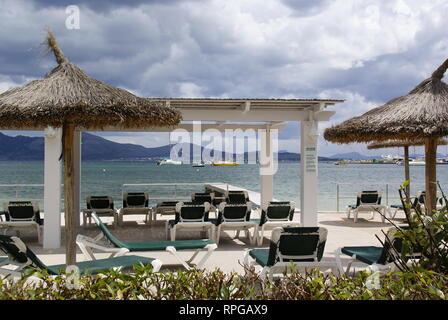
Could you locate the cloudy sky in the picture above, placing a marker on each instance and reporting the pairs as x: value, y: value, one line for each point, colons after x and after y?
x: 363, y: 51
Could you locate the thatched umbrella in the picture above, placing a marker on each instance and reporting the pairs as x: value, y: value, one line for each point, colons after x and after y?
x: 68, y: 98
x: 421, y: 114
x: 405, y: 144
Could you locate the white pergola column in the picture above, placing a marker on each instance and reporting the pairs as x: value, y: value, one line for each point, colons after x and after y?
x: 52, y: 188
x: 77, y: 173
x: 308, y: 169
x: 266, y: 166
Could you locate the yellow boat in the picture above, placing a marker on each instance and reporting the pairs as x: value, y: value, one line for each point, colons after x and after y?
x: 340, y: 163
x: 225, y: 164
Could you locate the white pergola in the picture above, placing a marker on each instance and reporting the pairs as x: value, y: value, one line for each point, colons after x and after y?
x: 219, y: 114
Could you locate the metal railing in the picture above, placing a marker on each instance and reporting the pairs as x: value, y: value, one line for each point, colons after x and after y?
x: 174, y: 191
x: 17, y: 193
x: 389, y: 192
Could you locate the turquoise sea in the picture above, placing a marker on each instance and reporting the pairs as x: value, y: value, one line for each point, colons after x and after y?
x: 107, y: 178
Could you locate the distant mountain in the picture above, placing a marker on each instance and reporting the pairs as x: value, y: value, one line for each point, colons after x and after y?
x: 438, y: 155
x: 353, y: 156
x: 293, y: 157
x: 358, y: 156
x: 93, y: 148
x: 96, y: 148
x: 21, y: 148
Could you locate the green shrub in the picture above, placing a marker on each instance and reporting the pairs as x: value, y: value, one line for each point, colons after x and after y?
x: 196, y: 284
x: 426, y: 236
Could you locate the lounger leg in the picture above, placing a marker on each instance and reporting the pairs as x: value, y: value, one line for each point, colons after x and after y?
x: 246, y: 257
x: 39, y: 234
x: 173, y: 251
x: 337, y: 255
x: 148, y: 217
x: 211, y: 232
x: 261, y: 236
x: 86, y: 251
x: 349, y: 265
x: 166, y: 229
x: 252, y: 238
x: 173, y: 233
x: 264, y: 272
x: 156, y: 265
x: 393, y: 213
x: 218, y: 234
x: 237, y: 234
x: 210, y: 248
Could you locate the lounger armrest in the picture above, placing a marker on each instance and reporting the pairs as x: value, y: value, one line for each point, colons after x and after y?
x: 86, y: 244
x: 211, y: 247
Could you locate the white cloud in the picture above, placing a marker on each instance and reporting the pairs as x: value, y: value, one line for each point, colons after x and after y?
x: 363, y: 51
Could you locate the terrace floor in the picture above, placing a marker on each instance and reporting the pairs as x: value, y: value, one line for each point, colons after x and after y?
x: 229, y: 254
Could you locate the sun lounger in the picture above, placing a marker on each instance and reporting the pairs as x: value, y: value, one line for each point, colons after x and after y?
x: 22, y: 214
x: 275, y: 214
x: 417, y: 202
x: 201, y: 197
x: 298, y: 248
x: 21, y: 257
x: 190, y: 216
x: 165, y: 208
x: 367, y: 201
x: 235, y: 216
x: 379, y: 258
x: 87, y: 243
x: 135, y: 203
x: 102, y: 205
x: 237, y: 196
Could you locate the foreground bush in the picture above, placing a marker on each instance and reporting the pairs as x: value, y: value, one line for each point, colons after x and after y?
x: 196, y: 284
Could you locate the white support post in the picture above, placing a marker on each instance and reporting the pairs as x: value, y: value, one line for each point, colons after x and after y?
x: 77, y: 173
x: 52, y: 188
x: 308, y: 169
x: 266, y: 166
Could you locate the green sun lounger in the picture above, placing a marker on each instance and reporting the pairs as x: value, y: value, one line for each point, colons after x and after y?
x: 21, y: 257
x: 380, y: 258
x: 304, y: 246
x: 275, y: 214
x: 86, y: 245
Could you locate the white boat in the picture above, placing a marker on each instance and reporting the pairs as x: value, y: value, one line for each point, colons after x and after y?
x: 225, y: 164
x: 417, y: 163
x: 168, y: 161
x: 412, y: 163
x: 198, y: 165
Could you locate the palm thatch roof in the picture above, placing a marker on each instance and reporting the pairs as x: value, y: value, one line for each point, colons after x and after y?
x: 68, y: 95
x: 402, y: 143
x: 422, y: 113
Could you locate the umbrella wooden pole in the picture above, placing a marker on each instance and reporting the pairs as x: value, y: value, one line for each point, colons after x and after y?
x: 406, y: 173
x: 430, y: 175
x: 69, y: 196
